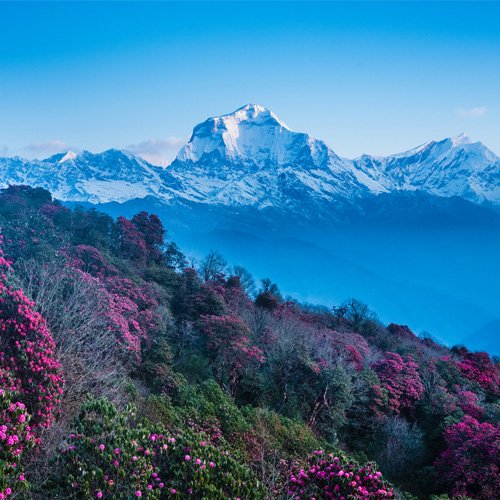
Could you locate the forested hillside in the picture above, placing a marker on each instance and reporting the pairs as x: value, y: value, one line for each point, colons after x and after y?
x: 127, y: 371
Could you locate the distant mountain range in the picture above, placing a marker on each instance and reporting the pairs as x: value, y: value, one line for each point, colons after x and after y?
x: 251, y: 159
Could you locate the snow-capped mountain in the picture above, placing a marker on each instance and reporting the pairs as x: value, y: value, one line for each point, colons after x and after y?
x: 113, y: 175
x: 250, y: 158
x: 451, y: 167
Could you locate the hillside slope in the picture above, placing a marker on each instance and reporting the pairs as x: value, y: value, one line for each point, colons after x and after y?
x: 198, y: 383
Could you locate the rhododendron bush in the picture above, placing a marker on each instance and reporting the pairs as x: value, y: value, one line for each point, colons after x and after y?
x: 400, y: 378
x: 468, y: 402
x: 110, y: 456
x: 30, y: 381
x: 15, y: 439
x: 230, y: 347
x: 27, y: 355
x: 105, y: 457
x: 477, y: 367
x: 470, y: 465
x: 90, y: 260
x: 140, y: 239
x: 131, y: 308
x: 328, y: 476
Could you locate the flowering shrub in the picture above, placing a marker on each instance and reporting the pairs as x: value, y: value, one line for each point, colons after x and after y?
x: 132, y: 312
x: 192, y: 298
x: 400, y: 377
x: 132, y: 244
x: 30, y: 380
x: 478, y: 367
x: 235, y: 295
x: 54, y: 211
x: 27, y: 355
x: 108, y: 456
x: 90, y: 260
x: 142, y: 295
x: 328, y: 477
x: 334, y: 345
x: 200, y: 470
x: 130, y: 309
x: 15, y: 438
x: 230, y: 347
x: 153, y: 233
x: 468, y: 403
x: 355, y: 357
x: 141, y: 238
x: 470, y: 466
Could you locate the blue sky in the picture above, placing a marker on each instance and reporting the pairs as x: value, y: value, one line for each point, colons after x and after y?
x: 365, y: 77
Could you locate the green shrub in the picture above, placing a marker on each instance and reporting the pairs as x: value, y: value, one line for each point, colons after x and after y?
x: 208, y: 401
x: 110, y: 455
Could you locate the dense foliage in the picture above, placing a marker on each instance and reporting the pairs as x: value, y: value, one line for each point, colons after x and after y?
x: 108, y: 455
x: 27, y: 353
x: 186, y: 380
x: 470, y: 465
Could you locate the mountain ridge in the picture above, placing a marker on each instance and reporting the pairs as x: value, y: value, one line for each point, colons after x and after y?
x: 251, y: 158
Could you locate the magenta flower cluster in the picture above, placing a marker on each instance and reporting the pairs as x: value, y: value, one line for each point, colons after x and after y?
x: 15, y: 438
x: 31, y: 383
x: 27, y: 354
x: 470, y: 465
x: 400, y: 377
x: 478, y: 367
x: 329, y: 477
x: 131, y: 309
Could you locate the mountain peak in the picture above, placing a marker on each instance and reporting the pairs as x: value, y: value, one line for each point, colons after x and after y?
x: 461, y: 139
x: 251, y: 108
x: 255, y: 113
x: 443, y: 145
x: 251, y: 133
x: 60, y: 157
x: 70, y: 155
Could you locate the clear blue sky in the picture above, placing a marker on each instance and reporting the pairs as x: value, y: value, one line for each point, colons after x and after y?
x: 365, y: 77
